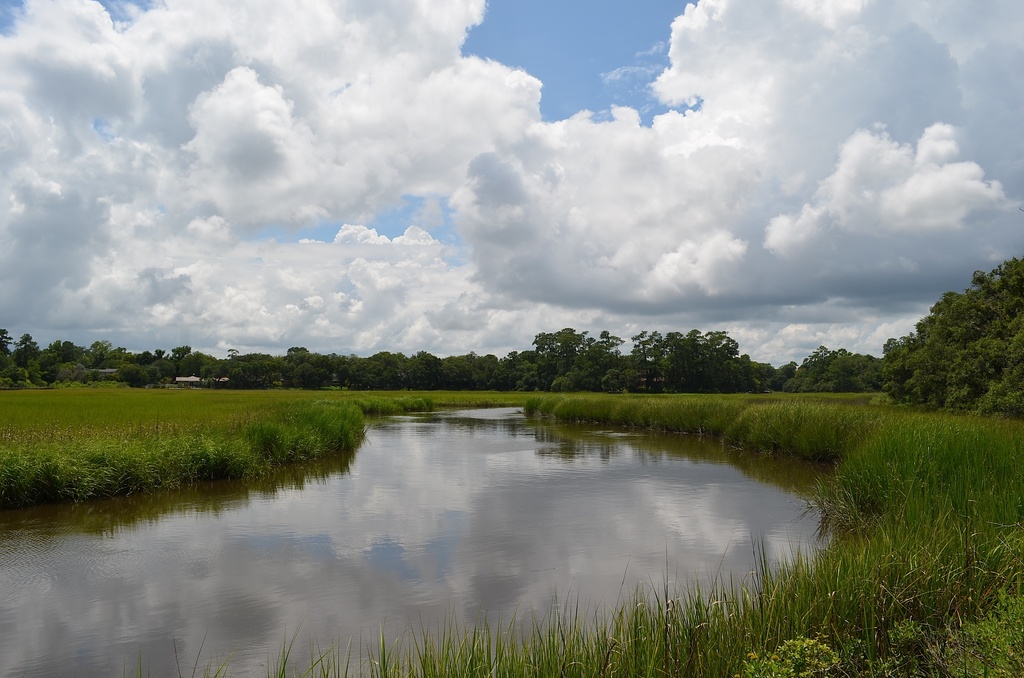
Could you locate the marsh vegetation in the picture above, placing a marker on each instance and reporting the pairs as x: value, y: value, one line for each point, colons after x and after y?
x: 72, y: 445
x: 479, y: 516
x: 922, y: 575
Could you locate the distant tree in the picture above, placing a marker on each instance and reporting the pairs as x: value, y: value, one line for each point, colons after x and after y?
x: 555, y: 355
x: 517, y: 371
x: 71, y: 372
x: 381, y: 371
x: 97, y: 353
x: 838, y: 371
x: 253, y: 370
x: 13, y: 376
x: 647, y: 357
x: 196, y: 364
x: 305, y: 369
x: 25, y: 351
x: 164, y: 369
x: 782, y: 375
x: 65, y: 351
x: 457, y: 373
x: 425, y: 371
x: 595, y: 360
x: 721, y: 373
x: 691, y: 363
x: 341, y: 369
x: 178, y: 353
x: 133, y: 375
x: 5, y: 355
x: 682, y: 364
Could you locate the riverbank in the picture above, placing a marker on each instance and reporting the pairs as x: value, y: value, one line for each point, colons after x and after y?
x: 925, y: 511
x: 75, y: 444
x: 922, y: 575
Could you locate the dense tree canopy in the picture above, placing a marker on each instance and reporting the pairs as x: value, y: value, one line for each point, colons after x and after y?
x: 566, y: 360
x: 968, y: 352
x: 836, y: 371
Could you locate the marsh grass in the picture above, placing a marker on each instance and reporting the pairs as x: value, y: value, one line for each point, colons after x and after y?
x: 74, y: 445
x: 925, y: 511
x: 820, y: 430
x: 60, y: 446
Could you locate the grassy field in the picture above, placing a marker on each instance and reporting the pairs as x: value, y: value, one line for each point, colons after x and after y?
x: 922, y: 577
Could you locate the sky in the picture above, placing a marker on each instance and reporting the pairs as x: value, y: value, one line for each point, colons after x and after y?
x: 356, y: 176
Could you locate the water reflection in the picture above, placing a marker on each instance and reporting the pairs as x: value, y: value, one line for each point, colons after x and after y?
x: 436, y: 516
x: 106, y: 516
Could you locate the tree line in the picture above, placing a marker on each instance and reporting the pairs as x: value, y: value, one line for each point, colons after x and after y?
x: 967, y: 355
x: 566, y: 360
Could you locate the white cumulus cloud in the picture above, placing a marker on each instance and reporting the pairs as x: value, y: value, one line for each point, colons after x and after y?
x: 211, y: 173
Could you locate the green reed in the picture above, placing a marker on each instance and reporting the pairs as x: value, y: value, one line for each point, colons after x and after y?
x: 58, y: 446
x: 924, y: 510
x: 73, y: 445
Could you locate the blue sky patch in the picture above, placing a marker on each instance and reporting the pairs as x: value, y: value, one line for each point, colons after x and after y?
x: 432, y: 214
x: 588, y: 55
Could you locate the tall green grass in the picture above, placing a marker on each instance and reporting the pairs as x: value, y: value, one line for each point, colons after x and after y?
x: 74, y: 445
x: 808, y: 428
x: 925, y: 511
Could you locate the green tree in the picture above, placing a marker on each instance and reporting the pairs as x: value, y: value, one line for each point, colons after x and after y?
x: 5, y: 355
x: 253, y: 370
x: 98, y: 352
x: 26, y: 350
x: 71, y: 372
x: 381, y: 371
x: 13, y: 376
x: 303, y: 368
x: 681, y: 363
x: 647, y: 354
x: 425, y: 371
x: 595, y: 360
x: 720, y: 373
x: 133, y: 375
x: 517, y: 371
x: 556, y: 356
x: 196, y: 363
x: 178, y: 353
x: 968, y: 352
x: 703, y: 363
x: 838, y: 371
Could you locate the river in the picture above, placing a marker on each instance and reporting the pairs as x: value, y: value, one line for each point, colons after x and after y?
x: 437, y: 517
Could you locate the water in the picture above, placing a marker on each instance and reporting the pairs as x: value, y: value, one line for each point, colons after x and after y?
x: 436, y: 517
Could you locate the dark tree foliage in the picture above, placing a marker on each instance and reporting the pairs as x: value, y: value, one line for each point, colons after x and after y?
x: 566, y: 360
x: 836, y: 371
x: 968, y: 352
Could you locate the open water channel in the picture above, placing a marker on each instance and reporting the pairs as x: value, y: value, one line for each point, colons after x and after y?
x: 437, y: 517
